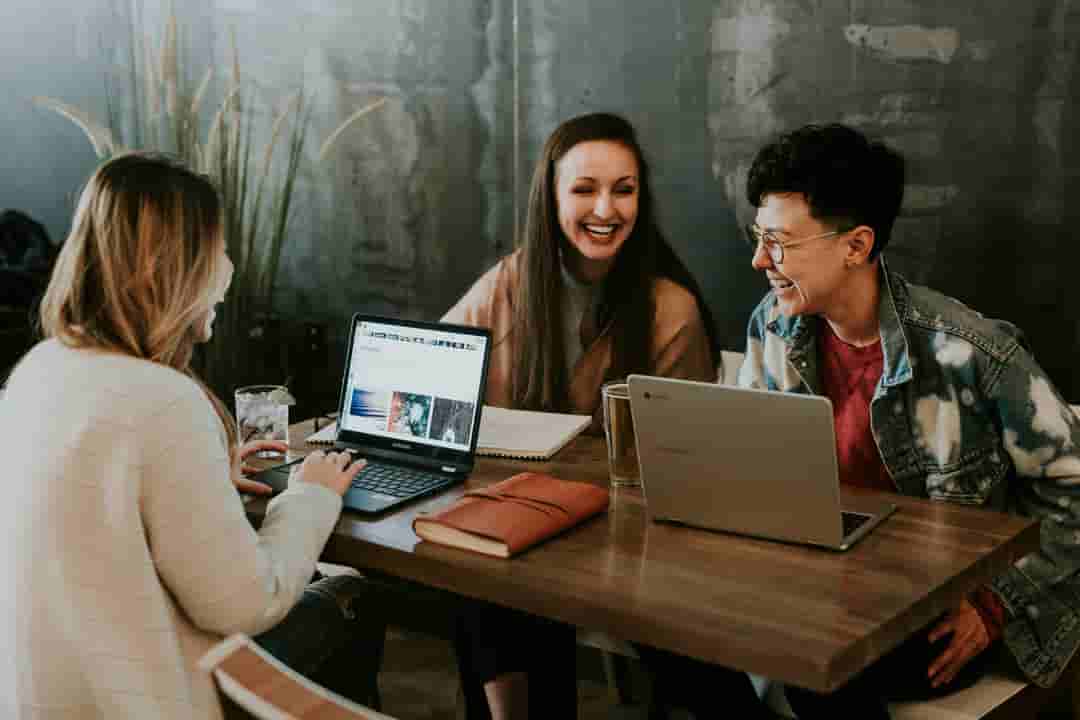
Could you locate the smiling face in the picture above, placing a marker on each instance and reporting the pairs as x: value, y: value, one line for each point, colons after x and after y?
x: 596, y: 188
x: 812, y: 276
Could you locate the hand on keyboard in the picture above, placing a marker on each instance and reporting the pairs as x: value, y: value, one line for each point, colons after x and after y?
x: 333, y: 470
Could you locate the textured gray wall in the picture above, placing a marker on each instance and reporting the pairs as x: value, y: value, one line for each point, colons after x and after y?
x: 980, y: 96
x: 46, y: 49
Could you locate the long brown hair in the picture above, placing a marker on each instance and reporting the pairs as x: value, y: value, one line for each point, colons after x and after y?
x: 626, y: 306
x: 137, y: 272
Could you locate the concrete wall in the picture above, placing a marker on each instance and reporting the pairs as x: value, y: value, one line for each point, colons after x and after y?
x: 980, y: 96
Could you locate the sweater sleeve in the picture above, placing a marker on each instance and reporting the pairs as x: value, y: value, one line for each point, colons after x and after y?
x: 226, y: 577
x: 1041, y: 435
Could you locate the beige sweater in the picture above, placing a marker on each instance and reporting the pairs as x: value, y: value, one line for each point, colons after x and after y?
x: 124, y: 548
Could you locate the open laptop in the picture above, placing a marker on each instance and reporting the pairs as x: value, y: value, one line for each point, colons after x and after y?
x: 410, y: 405
x: 754, y: 462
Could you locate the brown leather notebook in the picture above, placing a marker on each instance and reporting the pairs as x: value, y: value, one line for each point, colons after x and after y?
x: 511, y: 515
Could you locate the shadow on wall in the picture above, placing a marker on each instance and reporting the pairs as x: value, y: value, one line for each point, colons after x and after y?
x: 1007, y: 147
x: 26, y: 259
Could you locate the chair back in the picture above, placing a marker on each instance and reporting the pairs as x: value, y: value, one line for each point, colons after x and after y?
x: 252, y: 683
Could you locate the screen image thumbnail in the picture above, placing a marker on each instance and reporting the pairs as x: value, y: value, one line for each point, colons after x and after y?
x: 451, y: 421
x: 368, y: 410
x: 409, y: 414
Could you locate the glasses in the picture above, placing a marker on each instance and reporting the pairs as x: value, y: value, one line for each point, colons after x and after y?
x: 774, y: 247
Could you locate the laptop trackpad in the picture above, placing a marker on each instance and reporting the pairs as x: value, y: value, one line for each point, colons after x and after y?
x: 368, y: 500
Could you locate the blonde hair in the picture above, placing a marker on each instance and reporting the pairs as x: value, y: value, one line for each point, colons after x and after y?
x: 137, y: 272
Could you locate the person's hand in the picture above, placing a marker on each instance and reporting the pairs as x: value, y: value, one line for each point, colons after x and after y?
x: 969, y: 638
x: 240, y: 468
x: 331, y: 470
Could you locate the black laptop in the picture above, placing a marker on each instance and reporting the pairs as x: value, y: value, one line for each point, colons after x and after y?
x: 410, y: 405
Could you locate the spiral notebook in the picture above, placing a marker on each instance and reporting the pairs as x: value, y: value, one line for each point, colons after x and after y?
x: 520, y: 434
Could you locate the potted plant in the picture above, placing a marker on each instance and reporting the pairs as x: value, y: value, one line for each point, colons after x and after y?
x: 160, y: 109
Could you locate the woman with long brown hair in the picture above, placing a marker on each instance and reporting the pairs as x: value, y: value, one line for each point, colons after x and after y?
x: 127, y: 552
x: 593, y: 294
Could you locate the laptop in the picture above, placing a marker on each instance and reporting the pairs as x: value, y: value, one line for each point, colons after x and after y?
x: 410, y: 405
x: 753, y: 462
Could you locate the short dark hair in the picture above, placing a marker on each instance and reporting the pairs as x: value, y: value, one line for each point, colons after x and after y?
x: 846, y: 178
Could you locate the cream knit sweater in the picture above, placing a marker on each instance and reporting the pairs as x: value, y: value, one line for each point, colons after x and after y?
x: 124, y: 549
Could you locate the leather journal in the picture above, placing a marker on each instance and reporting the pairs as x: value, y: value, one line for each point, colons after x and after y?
x: 514, y: 514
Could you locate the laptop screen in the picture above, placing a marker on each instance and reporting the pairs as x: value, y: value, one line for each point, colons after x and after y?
x: 417, y: 386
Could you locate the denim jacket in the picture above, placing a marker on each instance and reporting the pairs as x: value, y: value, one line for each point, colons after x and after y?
x: 962, y: 413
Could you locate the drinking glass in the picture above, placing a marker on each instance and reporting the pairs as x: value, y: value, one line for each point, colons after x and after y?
x: 262, y: 412
x: 619, y: 432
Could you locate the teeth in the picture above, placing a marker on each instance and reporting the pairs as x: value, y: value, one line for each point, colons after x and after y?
x: 600, y: 229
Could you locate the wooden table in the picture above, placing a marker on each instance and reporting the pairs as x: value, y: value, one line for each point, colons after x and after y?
x: 806, y: 616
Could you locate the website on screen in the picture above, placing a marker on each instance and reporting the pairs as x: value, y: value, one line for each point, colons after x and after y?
x: 414, y: 383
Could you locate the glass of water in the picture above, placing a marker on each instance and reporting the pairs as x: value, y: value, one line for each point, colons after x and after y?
x: 262, y: 412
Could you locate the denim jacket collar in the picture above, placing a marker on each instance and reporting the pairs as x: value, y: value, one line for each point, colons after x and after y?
x: 799, y: 332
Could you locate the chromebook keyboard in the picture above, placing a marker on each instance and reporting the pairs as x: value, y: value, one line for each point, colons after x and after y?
x: 397, y: 480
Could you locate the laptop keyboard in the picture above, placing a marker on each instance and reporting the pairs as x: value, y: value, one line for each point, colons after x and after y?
x: 396, y: 480
x: 852, y: 521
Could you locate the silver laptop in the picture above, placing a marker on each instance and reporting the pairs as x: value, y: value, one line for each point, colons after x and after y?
x: 753, y: 462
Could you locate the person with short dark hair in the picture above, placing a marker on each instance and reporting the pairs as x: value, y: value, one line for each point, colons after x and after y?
x: 930, y: 399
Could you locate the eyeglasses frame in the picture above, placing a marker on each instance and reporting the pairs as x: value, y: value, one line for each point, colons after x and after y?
x: 775, y: 247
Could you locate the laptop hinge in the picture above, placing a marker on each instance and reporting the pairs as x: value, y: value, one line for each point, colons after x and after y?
x: 406, y: 458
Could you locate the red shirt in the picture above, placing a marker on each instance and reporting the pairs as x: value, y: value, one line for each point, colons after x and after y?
x: 849, y: 376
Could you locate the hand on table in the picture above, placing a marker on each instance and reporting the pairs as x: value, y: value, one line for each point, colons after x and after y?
x: 969, y: 638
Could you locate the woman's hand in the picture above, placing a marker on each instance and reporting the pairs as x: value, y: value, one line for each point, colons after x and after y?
x: 331, y: 470
x: 241, y: 469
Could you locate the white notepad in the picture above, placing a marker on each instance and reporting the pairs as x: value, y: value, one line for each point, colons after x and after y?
x: 526, y: 434
x: 326, y: 436
x: 522, y: 434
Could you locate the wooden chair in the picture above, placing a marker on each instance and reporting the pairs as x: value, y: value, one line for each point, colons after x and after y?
x: 253, y: 684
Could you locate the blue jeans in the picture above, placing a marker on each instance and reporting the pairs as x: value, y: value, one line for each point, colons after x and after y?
x: 329, y: 638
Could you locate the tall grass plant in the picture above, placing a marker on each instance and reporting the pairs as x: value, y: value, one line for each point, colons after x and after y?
x: 153, y: 103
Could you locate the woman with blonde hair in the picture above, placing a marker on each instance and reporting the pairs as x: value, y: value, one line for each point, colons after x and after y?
x: 127, y: 552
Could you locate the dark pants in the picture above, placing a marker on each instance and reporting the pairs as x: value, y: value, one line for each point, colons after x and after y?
x: 329, y: 638
x: 491, y: 641
x: 899, y: 675
x: 705, y: 690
